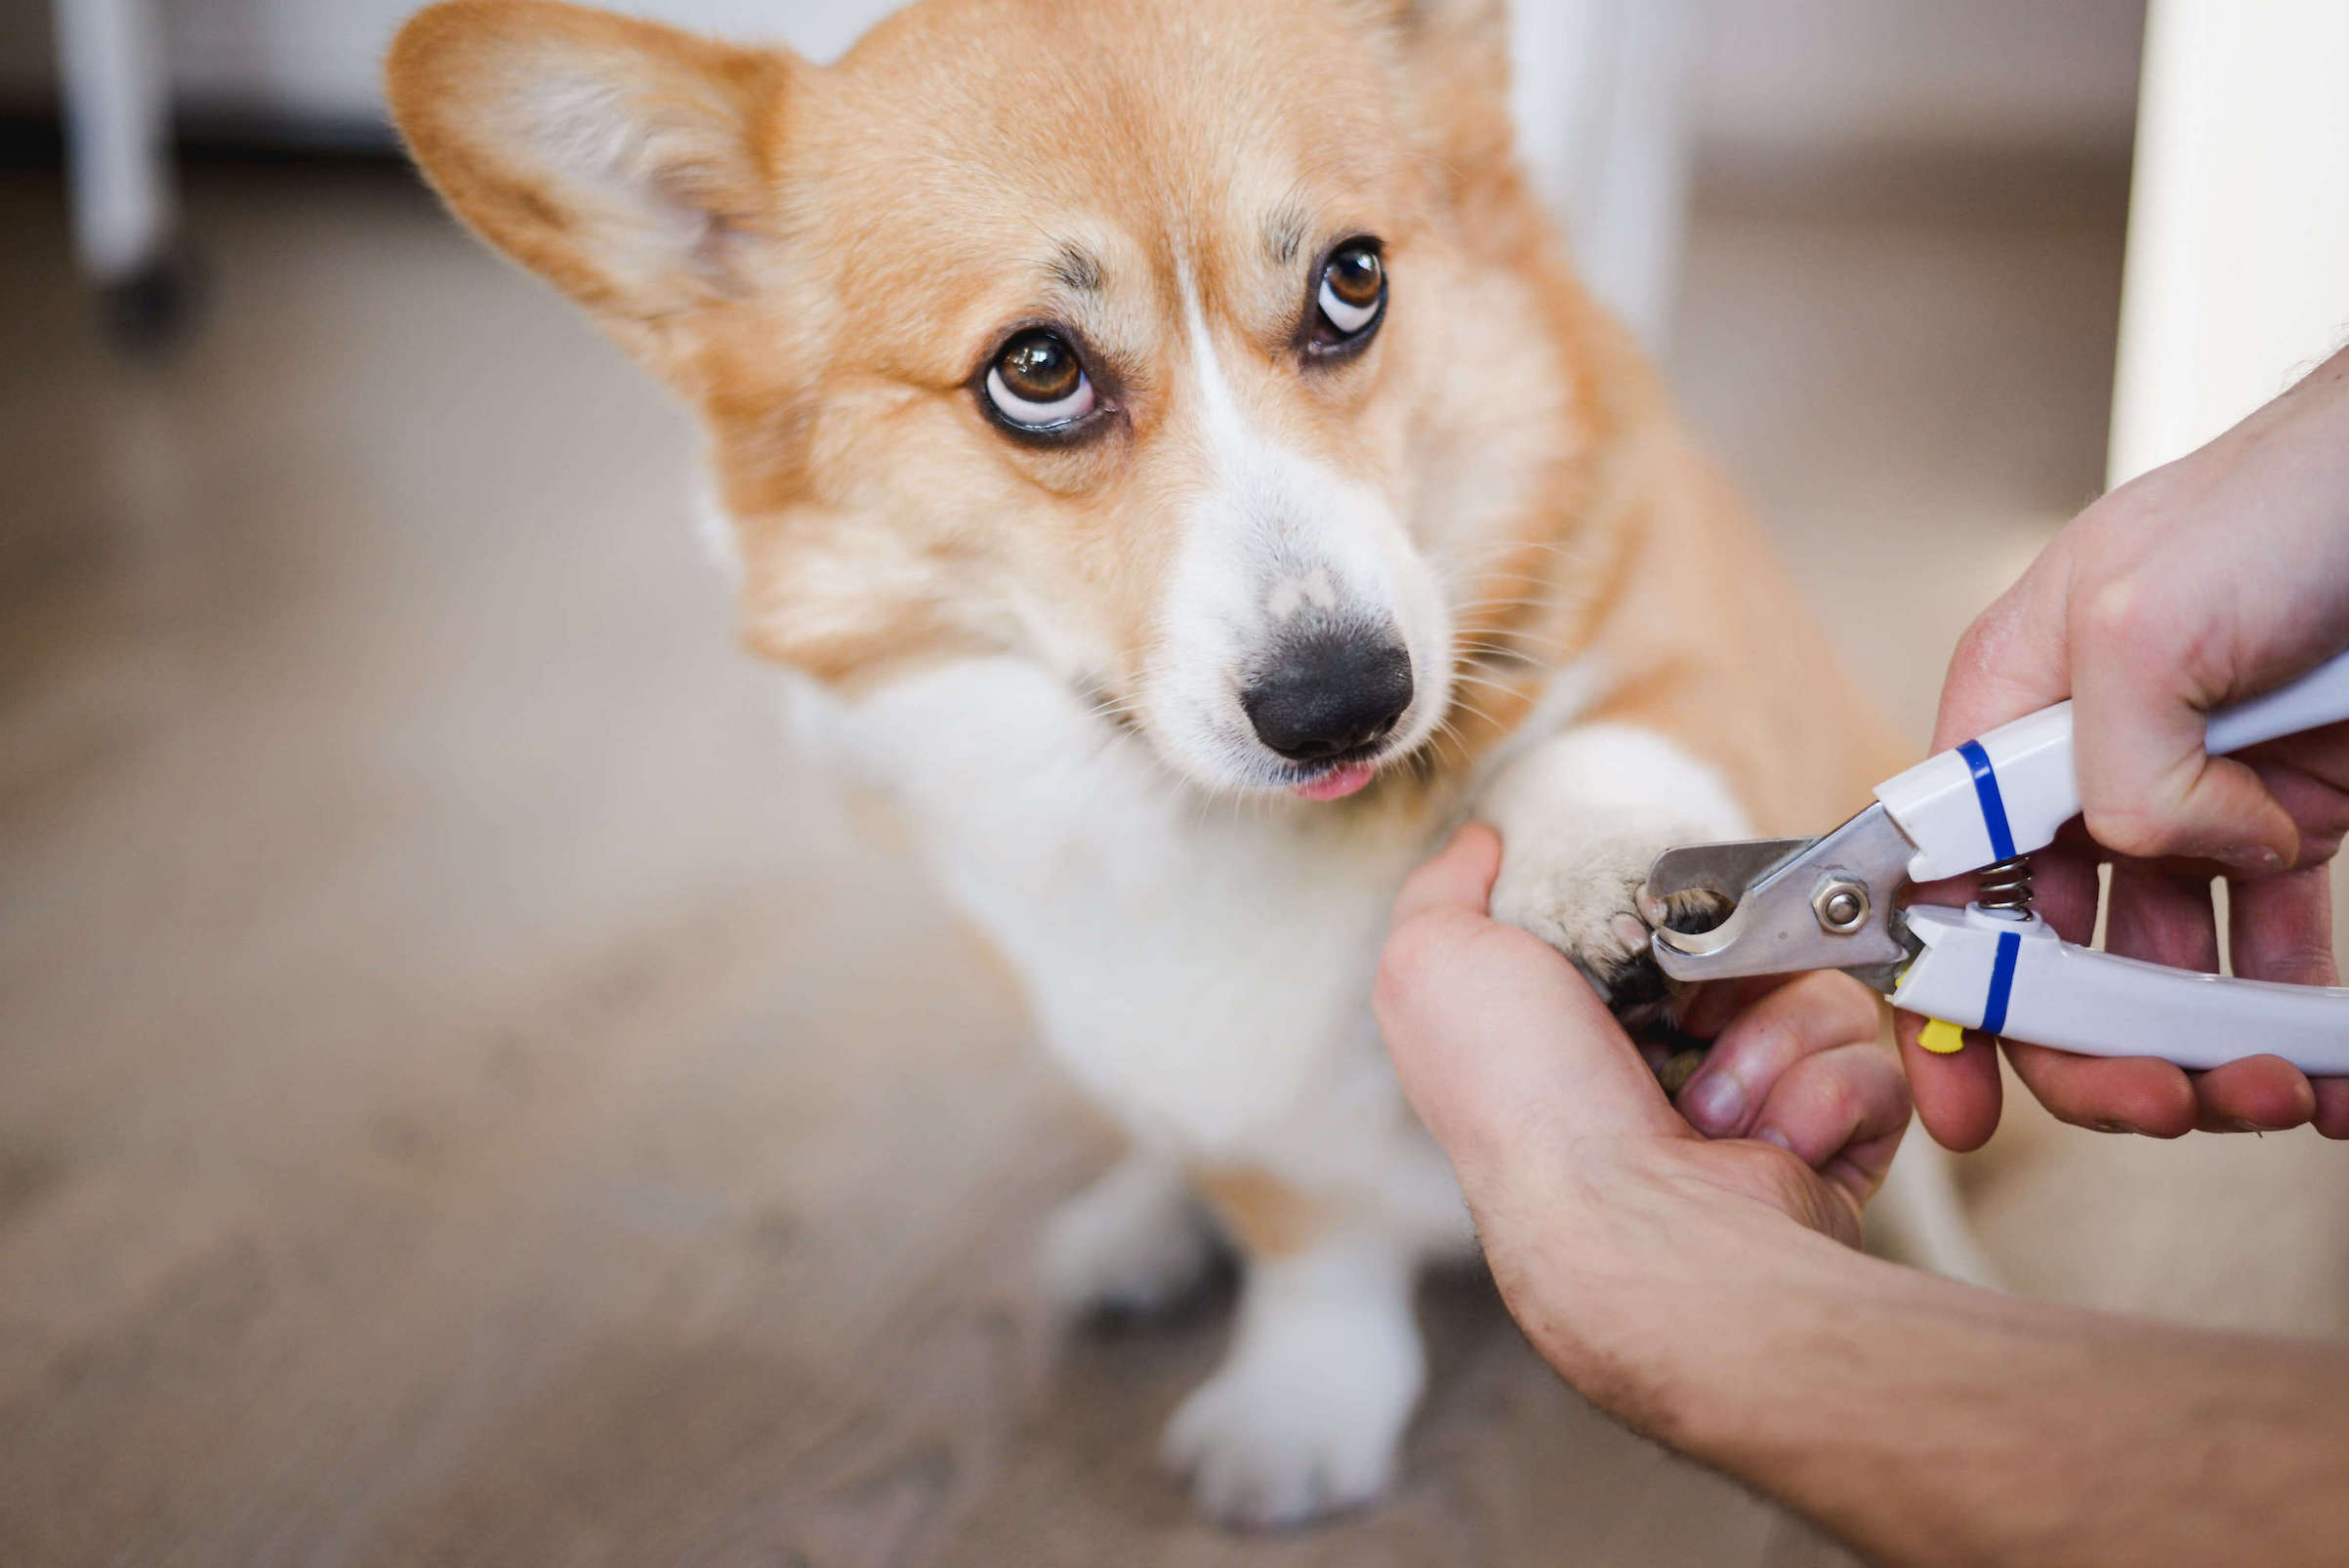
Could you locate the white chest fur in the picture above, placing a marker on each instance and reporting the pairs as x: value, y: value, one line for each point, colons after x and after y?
x: 1202, y: 967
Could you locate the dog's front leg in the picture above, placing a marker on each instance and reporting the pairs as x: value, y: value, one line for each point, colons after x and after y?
x: 1305, y: 1416
x: 1582, y: 817
x: 1133, y: 1241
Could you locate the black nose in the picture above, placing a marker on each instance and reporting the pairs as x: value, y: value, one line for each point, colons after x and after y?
x: 1329, y: 694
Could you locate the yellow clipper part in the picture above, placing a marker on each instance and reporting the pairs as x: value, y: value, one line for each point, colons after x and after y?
x: 1942, y: 1037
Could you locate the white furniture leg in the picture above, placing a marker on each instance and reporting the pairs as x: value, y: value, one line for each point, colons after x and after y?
x: 117, y: 135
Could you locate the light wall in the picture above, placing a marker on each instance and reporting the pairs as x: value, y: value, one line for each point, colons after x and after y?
x: 2239, y: 229
x: 1802, y: 77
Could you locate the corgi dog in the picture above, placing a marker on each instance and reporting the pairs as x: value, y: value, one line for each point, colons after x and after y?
x: 1167, y: 440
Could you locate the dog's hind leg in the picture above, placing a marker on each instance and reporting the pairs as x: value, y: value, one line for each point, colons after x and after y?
x: 1305, y: 1416
x: 1135, y: 1241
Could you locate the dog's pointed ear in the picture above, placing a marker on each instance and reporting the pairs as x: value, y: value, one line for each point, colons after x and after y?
x: 1471, y: 35
x: 632, y: 165
x: 1454, y: 60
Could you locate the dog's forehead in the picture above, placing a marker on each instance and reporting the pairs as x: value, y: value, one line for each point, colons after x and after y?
x: 1090, y: 143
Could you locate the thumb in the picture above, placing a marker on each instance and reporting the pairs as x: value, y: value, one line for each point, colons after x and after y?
x: 2147, y: 803
x: 1460, y: 878
x: 1505, y: 1051
x: 2140, y: 711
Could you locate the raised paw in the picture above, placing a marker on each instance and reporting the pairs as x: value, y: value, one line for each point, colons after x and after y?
x: 1584, y: 896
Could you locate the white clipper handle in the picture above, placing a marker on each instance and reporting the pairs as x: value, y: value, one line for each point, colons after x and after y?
x: 2015, y: 978
x: 2006, y: 794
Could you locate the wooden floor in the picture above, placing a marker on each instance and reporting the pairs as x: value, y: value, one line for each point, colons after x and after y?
x: 467, y: 1096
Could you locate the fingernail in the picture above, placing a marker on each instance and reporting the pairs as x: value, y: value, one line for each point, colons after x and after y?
x: 1715, y: 1102
x: 2251, y: 859
x: 2110, y: 1125
x: 1771, y: 1134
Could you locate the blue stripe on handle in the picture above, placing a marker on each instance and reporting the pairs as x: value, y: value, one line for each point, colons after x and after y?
x: 2002, y: 981
x: 1994, y: 804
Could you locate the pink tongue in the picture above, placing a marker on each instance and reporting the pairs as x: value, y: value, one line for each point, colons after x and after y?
x: 1338, y: 783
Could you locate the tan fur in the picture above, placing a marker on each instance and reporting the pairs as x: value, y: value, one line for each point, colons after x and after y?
x: 879, y: 229
x: 829, y: 252
x: 1266, y: 1217
x: 821, y: 261
x: 844, y: 245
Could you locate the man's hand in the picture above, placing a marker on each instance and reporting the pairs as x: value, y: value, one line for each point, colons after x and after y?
x: 1691, y: 1285
x: 2221, y: 576
x: 1571, y: 1156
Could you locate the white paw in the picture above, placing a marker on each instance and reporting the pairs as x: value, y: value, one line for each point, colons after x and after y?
x: 1303, y: 1421
x: 1582, y: 896
x: 1582, y: 819
x: 1132, y: 1242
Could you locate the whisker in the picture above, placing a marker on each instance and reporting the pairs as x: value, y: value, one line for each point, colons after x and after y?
x: 1506, y: 601
x: 1473, y: 710
x: 1510, y: 547
x: 1467, y: 680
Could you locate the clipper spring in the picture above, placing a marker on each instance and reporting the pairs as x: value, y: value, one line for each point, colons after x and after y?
x: 2005, y: 884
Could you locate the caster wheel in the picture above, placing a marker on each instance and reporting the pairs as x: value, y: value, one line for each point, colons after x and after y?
x: 155, y: 310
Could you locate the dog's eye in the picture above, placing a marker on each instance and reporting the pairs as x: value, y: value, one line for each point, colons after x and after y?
x: 1352, y: 293
x: 1038, y: 383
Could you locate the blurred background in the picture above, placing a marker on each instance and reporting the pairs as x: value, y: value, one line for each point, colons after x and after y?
x: 469, y: 1094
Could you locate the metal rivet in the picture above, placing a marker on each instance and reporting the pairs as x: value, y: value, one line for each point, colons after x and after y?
x: 1841, y: 907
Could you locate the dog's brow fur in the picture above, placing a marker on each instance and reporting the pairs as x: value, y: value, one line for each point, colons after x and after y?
x: 1285, y: 232
x: 1077, y: 268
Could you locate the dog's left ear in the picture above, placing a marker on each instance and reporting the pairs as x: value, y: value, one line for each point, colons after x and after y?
x: 631, y: 165
x: 1454, y: 60
x: 1465, y: 35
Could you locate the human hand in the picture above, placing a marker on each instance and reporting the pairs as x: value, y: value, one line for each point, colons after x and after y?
x: 2221, y: 576
x: 1590, y: 1191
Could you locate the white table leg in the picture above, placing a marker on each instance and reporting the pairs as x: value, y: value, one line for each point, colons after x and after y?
x: 117, y: 132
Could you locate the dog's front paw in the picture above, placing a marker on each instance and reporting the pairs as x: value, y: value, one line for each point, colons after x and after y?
x: 1583, y: 896
x: 1285, y: 1439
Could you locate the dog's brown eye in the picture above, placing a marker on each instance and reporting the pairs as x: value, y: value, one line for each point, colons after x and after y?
x: 1038, y: 383
x: 1356, y: 276
x: 1039, y: 368
x: 1352, y: 293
